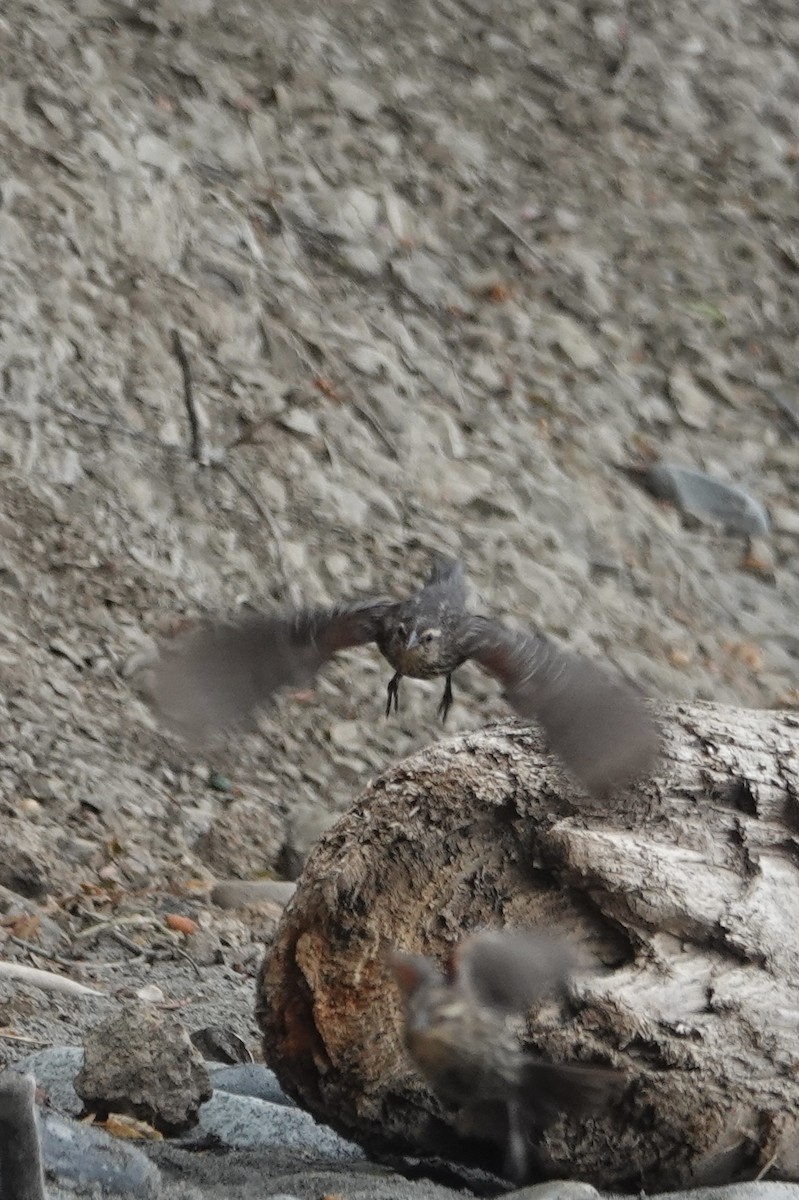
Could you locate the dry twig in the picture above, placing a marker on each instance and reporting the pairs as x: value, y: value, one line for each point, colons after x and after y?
x: 46, y: 980
x: 515, y: 232
x: 41, y: 952
x: 20, y: 1037
x: 266, y: 516
x: 196, y: 448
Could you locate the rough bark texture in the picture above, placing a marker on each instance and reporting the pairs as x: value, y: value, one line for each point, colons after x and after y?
x: 687, y: 891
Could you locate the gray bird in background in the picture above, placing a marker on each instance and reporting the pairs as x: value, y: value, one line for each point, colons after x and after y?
x: 21, y: 1176
x: 461, y: 1037
x: 217, y: 675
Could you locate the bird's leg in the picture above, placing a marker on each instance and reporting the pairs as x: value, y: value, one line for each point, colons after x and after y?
x: 446, y: 700
x: 393, y: 693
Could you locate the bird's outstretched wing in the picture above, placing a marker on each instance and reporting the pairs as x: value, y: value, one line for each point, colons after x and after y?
x: 510, y: 969
x: 219, y: 673
x: 598, y: 725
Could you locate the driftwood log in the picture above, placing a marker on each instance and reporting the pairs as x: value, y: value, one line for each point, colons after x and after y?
x: 686, y: 891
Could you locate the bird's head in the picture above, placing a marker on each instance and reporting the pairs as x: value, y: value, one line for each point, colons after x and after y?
x: 416, y: 647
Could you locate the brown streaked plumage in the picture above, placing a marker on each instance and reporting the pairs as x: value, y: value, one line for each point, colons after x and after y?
x: 460, y: 1036
x: 598, y: 725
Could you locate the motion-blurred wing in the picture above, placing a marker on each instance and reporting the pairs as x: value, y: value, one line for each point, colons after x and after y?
x: 598, y: 725
x: 218, y: 674
x: 549, y: 1089
x: 509, y: 970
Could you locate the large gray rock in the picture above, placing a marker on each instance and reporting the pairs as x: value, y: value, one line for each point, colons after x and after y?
x: 249, y: 1079
x: 54, y: 1070
x: 81, y: 1157
x: 246, y: 1123
x: 556, y: 1189
x: 737, y: 1191
x: 142, y: 1062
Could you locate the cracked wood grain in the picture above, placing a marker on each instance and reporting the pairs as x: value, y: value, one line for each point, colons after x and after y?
x: 686, y: 891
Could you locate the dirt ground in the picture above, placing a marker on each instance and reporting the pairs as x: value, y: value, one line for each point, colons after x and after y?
x: 440, y: 269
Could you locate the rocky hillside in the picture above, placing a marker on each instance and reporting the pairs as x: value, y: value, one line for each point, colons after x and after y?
x: 434, y: 276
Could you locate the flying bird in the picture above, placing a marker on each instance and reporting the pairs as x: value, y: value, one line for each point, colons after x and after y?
x: 218, y: 674
x: 460, y: 1035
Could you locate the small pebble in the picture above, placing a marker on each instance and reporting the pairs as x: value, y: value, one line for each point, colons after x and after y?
x: 693, y: 404
x: 354, y: 99
x: 704, y: 498
x: 220, y: 783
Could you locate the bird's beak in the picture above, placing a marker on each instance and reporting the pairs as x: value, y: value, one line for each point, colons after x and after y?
x: 412, y: 641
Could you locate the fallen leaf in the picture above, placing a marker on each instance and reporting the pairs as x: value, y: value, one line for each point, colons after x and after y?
x: 180, y: 924
x: 497, y: 293
x: 195, y: 886
x: 90, y: 889
x: 749, y: 654
x: 759, y: 560
x: 327, y: 388
x: 704, y: 308
x: 122, y: 1126
x: 25, y: 926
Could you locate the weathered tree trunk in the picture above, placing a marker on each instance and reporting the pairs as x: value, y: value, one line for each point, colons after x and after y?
x: 686, y: 890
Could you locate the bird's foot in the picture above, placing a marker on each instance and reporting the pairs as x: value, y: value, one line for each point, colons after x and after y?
x: 446, y: 700
x: 393, y: 693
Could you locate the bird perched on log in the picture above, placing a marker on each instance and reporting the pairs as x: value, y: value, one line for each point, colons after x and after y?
x: 460, y: 1035
x: 21, y: 1176
x: 218, y: 674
